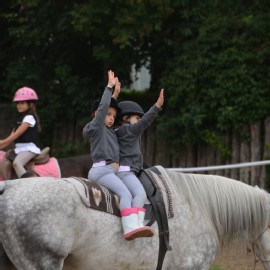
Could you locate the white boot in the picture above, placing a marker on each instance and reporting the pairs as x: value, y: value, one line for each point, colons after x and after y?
x: 141, y: 216
x: 130, y: 225
x: 129, y: 222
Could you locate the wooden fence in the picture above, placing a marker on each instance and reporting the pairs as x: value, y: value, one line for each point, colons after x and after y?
x: 202, y: 155
x: 156, y: 152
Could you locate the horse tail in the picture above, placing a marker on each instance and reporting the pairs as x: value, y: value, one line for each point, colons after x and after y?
x: 2, y: 187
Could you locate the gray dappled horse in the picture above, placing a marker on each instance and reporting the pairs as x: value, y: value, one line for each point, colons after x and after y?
x: 44, y: 225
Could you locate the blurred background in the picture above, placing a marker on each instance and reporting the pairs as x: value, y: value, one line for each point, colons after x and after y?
x: 211, y: 57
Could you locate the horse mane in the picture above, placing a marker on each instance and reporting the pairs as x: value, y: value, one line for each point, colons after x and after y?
x: 234, y: 208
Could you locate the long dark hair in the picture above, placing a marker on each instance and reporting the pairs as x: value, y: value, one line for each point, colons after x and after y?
x: 33, y: 110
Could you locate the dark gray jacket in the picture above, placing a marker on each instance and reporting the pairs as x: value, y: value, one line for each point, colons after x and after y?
x: 103, y: 140
x: 129, y: 140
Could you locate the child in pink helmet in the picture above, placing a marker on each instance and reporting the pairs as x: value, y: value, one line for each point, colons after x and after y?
x: 25, y: 132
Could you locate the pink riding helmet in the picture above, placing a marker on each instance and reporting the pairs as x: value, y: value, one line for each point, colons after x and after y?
x: 25, y: 93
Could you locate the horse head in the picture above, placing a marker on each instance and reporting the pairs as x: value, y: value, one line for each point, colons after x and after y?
x: 261, y: 249
x: 261, y: 245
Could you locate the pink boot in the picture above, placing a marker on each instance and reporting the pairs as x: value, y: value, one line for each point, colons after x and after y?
x: 130, y: 225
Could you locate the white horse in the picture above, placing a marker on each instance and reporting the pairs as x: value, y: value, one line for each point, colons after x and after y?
x: 44, y: 225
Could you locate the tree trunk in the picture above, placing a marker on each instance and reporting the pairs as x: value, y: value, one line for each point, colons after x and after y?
x: 255, y: 153
x: 235, y: 155
x: 245, y: 157
x: 266, y: 154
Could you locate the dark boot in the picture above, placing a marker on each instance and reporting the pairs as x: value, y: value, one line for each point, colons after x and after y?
x: 29, y: 174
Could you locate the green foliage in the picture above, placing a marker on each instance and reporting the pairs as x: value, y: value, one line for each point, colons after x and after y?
x: 216, y: 74
x: 62, y: 149
x: 212, y: 58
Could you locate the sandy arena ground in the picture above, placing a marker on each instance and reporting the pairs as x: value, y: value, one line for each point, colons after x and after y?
x: 237, y: 258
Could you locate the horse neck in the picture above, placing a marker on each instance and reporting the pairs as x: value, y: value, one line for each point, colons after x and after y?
x: 232, y: 207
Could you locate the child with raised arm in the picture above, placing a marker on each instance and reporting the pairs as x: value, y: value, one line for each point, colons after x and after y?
x: 134, y: 122
x: 105, y: 156
x: 25, y: 132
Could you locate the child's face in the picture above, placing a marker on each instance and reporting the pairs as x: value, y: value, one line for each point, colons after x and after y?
x: 22, y: 106
x: 110, y: 117
x: 133, y: 119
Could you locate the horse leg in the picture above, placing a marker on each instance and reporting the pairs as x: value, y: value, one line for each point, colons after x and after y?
x: 36, y: 258
x: 40, y: 235
x: 38, y: 243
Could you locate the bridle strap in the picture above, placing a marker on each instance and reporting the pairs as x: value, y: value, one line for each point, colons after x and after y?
x: 255, y: 260
x: 253, y: 249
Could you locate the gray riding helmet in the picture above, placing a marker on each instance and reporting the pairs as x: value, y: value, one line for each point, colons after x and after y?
x: 130, y: 108
x: 113, y: 104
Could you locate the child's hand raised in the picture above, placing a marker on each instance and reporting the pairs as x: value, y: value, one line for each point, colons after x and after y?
x: 117, y: 90
x: 160, y: 100
x: 111, y: 79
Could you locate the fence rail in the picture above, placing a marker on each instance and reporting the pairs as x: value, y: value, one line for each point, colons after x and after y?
x: 222, y: 167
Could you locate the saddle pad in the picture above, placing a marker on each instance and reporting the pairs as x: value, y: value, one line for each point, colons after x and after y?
x: 50, y: 168
x: 95, y: 196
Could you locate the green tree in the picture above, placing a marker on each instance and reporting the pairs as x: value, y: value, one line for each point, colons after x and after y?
x: 216, y: 71
x: 212, y: 58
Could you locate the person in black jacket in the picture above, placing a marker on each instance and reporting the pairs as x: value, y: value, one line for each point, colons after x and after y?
x: 25, y: 132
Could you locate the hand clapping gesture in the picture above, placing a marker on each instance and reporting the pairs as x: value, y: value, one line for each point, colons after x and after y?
x: 112, y: 80
x: 117, y: 90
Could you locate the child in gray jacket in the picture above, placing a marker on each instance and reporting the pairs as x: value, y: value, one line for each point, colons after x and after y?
x: 133, y: 122
x: 105, y: 156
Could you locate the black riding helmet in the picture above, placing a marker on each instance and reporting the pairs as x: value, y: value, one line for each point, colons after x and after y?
x: 130, y: 108
x: 113, y: 104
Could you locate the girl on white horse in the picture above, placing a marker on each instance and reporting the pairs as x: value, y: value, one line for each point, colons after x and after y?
x: 133, y: 121
x: 105, y: 156
x: 25, y: 132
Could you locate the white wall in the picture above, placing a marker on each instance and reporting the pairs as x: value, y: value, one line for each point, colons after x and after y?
x: 141, y: 79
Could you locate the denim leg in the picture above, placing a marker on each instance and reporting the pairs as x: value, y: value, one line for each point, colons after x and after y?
x: 105, y: 175
x: 135, y: 187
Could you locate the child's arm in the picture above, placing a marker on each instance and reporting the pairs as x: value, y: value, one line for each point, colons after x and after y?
x: 14, y: 135
x: 149, y: 116
x: 102, y: 109
x: 106, y: 98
